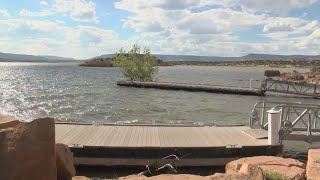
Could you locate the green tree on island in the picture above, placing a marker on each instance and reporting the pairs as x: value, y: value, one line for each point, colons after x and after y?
x: 135, y: 65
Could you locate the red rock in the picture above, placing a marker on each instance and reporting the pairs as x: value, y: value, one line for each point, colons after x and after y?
x: 231, y: 176
x: 245, y: 172
x: 252, y: 171
x: 80, y: 178
x: 167, y: 176
x: 313, y: 164
x: 8, y: 121
x: 27, y: 151
x: 64, y: 161
x: 289, y: 168
x: 216, y: 176
x: 133, y: 177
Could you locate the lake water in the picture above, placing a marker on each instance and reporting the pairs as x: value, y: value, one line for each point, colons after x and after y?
x: 69, y: 92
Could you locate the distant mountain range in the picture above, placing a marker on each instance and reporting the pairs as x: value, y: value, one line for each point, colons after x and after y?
x: 248, y: 57
x: 8, y: 57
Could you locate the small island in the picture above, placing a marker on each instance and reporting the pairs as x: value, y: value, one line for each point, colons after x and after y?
x: 99, y: 62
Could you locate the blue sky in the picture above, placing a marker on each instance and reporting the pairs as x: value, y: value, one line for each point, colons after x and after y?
x: 87, y: 28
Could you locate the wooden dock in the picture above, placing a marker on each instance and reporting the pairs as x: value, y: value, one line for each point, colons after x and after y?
x: 193, y: 87
x: 121, y: 145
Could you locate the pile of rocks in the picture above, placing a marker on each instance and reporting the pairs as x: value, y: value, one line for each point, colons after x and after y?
x: 313, y: 78
x: 292, y: 76
x: 255, y: 168
x: 28, y: 151
x: 309, y: 77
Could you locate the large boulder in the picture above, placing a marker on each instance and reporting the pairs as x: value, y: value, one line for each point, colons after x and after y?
x: 64, y: 160
x: 166, y: 176
x: 231, y: 176
x: 271, y: 166
x: 8, y: 121
x: 313, y: 164
x: 246, y: 172
x: 80, y: 178
x: 27, y: 151
x: 272, y: 73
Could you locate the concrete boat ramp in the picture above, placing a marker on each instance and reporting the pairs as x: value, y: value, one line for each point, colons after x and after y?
x: 139, y: 145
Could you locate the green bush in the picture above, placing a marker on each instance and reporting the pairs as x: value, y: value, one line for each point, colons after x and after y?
x: 270, y: 175
x: 137, y: 66
x: 315, y: 69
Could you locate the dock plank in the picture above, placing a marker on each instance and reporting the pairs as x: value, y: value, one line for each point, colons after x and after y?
x: 63, y: 132
x: 86, y: 136
x: 133, y: 138
x: 112, y: 145
x: 156, y: 141
x: 127, y: 137
x: 154, y: 136
x: 113, y: 135
x: 121, y: 138
x: 68, y: 139
x: 95, y: 136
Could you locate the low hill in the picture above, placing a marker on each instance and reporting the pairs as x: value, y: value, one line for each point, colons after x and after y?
x: 248, y: 57
x: 279, y: 57
x: 9, y: 57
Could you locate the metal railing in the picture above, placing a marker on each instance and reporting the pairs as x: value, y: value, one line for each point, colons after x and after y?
x: 291, y: 87
x: 293, y: 117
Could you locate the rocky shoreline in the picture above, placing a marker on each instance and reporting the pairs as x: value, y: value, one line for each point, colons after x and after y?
x: 308, y: 77
x: 28, y: 151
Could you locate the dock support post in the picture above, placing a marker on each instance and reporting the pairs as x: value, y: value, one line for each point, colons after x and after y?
x: 251, y: 83
x: 273, y: 127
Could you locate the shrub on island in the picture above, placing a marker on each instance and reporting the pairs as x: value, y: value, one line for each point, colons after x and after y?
x: 136, y: 65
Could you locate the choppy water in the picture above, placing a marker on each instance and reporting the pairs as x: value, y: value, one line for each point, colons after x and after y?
x: 68, y: 92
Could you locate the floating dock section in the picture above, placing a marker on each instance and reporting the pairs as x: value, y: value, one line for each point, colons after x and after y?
x: 133, y: 145
x: 193, y: 87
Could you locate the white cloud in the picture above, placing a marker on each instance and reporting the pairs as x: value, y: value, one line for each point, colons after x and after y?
x: 34, y: 25
x: 25, y: 13
x: 278, y: 6
x: 157, y: 16
x: 288, y: 28
x: 4, y: 13
x: 44, y: 3
x: 177, y: 4
x: 219, y: 21
x: 79, y: 10
x: 56, y: 38
x: 311, y: 42
x: 282, y: 25
x: 193, y: 27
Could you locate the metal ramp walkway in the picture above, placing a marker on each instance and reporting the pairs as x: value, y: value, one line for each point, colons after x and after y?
x: 298, y: 121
